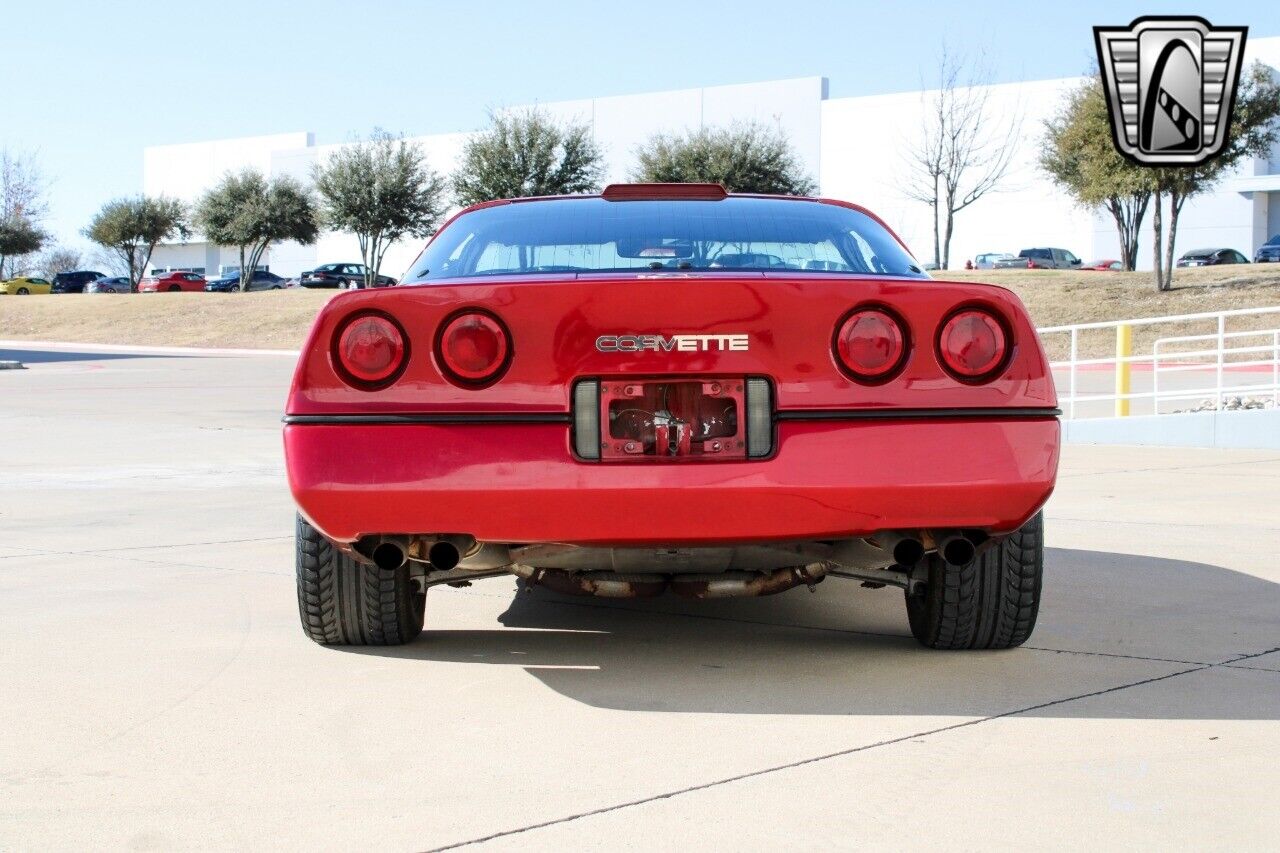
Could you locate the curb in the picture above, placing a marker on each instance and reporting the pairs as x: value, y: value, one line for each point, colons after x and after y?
x: 88, y: 347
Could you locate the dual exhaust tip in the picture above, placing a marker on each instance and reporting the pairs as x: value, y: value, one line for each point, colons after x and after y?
x: 392, y: 552
x: 956, y: 549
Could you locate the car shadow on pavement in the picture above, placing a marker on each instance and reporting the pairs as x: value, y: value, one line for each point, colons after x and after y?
x: 35, y: 356
x: 1108, y: 621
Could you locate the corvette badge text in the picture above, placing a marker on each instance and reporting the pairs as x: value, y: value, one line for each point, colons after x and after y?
x: 672, y: 343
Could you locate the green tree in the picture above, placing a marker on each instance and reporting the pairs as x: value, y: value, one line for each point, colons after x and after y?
x: 380, y: 190
x: 746, y: 157
x: 527, y: 154
x: 249, y: 212
x: 1078, y: 155
x: 1252, y: 133
x: 18, y: 237
x: 130, y: 228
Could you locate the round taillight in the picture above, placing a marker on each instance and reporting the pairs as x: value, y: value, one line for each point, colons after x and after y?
x: 871, y: 344
x: 474, y: 348
x: 973, y: 344
x: 370, y: 350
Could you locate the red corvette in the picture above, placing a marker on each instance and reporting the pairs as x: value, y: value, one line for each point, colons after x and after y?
x: 667, y: 388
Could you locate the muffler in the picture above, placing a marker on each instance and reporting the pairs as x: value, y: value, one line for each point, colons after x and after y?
x: 601, y: 584
x: 746, y: 584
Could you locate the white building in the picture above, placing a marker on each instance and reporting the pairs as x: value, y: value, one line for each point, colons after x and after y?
x: 853, y: 147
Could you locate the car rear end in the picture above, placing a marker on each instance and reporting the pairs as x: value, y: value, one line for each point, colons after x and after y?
x: 675, y: 417
x: 771, y: 435
x: 322, y: 278
x: 669, y: 407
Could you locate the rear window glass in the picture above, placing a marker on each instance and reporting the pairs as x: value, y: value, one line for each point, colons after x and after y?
x: 590, y: 235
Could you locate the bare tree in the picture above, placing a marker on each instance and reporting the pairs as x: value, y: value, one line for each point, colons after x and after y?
x: 22, y: 209
x: 58, y: 259
x: 964, y: 149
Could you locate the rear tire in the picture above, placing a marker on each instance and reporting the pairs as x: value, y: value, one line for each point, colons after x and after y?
x: 343, y: 602
x: 22, y: 291
x: 991, y: 603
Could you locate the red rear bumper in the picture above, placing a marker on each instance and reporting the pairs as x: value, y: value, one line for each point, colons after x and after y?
x: 521, y: 483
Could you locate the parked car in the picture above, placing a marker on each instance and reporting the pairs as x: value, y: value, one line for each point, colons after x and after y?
x: 74, y: 282
x: 1268, y: 252
x: 115, y: 284
x: 1039, y: 259
x: 25, y: 285
x: 189, y: 282
x: 341, y: 275
x: 1104, y: 265
x: 987, y: 260
x: 812, y: 436
x: 1211, y: 257
x: 262, y: 280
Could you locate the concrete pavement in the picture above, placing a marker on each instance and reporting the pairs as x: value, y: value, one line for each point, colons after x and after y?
x: 159, y: 693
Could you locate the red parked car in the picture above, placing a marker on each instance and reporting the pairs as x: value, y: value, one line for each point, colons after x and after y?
x: 190, y: 282
x: 666, y: 388
x: 1104, y: 265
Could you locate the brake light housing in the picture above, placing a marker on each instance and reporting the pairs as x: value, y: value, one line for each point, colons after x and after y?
x: 473, y: 348
x: 369, y: 350
x: 974, y: 344
x: 871, y: 344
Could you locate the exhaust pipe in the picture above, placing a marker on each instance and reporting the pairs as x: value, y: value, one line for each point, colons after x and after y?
x: 906, y: 550
x: 390, y: 552
x: 957, y: 550
x: 443, y: 555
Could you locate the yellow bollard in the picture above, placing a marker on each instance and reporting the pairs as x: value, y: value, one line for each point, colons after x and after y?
x: 1124, y: 347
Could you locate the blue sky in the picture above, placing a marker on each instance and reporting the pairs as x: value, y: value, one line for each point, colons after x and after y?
x: 85, y: 86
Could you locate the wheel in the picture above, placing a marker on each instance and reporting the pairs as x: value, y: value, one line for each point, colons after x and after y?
x: 22, y: 291
x: 343, y: 602
x: 108, y: 290
x: 173, y: 288
x: 989, y: 604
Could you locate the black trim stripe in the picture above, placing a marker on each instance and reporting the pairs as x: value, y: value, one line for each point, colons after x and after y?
x: 447, y: 418
x: 994, y: 413
x: 457, y: 418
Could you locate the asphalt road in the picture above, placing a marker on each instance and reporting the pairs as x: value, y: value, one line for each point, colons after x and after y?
x: 158, y: 693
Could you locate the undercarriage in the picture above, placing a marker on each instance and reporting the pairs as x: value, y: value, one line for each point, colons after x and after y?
x: 897, y: 559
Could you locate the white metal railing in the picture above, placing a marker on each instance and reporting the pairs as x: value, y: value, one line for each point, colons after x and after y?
x: 1177, y: 365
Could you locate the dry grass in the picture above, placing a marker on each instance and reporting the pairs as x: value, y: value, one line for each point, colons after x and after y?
x: 275, y: 319
x: 1061, y: 297
x: 280, y: 319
